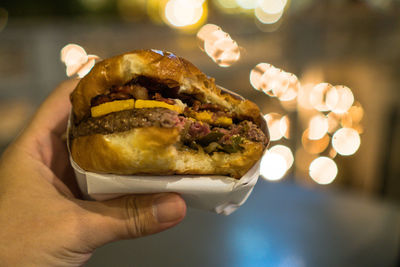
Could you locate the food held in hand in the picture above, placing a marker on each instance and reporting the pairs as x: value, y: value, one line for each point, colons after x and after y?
x: 152, y: 112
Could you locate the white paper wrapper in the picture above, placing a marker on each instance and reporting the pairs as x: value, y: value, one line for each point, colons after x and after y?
x: 220, y: 194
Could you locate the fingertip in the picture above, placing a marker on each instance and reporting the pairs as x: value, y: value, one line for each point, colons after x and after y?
x: 169, y: 208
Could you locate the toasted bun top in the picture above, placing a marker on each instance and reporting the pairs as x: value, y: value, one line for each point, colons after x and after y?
x: 163, y: 66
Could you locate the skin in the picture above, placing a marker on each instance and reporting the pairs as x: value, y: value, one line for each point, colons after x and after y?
x: 43, y: 222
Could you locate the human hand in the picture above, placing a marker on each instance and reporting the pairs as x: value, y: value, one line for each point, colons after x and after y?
x: 42, y: 222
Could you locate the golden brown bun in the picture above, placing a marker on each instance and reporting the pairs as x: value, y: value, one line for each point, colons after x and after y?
x: 164, y: 66
x: 153, y: 150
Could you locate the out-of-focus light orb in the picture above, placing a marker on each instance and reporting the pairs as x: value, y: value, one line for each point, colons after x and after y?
x: 356, y: 112
x: 274, y: 125
x: 3, y: 18
x: 76, y: 60
x: 73, y: 54
x: 247, y: 4
x: 218, y: 45
x: 293, y: 87
x: 274, y: 81
x: 284, y: 124
x: 314, y: 146
x: 206, y: 32
x: 229, y: 4
x: 346, y: 141
x: 269, y: 11
x: 318, y: 127
x: 227, y: 52
x: 272, y: 6
x: 339, y: 99
x: 318, y: 96
x: 323, y: 170
x: 285, y: 152
x: 265, y: 17
x: 255, y: 76
x: 181, y: 13
x: 303, y: 96
x: 333, y: 122
x: 273, y: 166
x: 332, y: 153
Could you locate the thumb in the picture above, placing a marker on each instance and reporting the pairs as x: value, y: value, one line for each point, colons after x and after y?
x: 131, y: 216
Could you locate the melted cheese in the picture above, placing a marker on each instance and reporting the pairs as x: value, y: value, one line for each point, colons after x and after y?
x: 156, y: 104
x: 207, y: 116
x: 113, y: 106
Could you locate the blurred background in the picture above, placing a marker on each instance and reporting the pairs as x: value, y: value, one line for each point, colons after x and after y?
x: 335, y: 125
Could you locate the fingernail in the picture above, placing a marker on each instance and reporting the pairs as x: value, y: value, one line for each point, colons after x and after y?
x: 168, y: 208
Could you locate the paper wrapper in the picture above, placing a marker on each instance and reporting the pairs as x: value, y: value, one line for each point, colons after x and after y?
x: 220, y: 194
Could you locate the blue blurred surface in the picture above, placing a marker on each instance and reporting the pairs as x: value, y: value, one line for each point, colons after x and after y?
x: 282, y: 224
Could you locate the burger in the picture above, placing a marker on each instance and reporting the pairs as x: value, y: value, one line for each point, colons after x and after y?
x: 151, y: 112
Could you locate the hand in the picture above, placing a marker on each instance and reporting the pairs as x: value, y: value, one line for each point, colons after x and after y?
x: 42, y: 222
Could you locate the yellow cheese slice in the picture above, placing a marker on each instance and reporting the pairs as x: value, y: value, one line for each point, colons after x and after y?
x: 113, y: 106
x: 156, y: 104
x: 207, y: 117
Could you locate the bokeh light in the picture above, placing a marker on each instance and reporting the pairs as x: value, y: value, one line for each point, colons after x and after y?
x: 274, y: 125
x: 269, y: 11
x: 247, y: 4
x: 318, y: 96
x: 76, y: 60
x: 318, y: 127
x: 274, y: 81
x: 339, y: 99
x: 323, y: 170
x: 285, y: 126
x: 285, y: 152
x: 314, y: 146
x: 346, y: 141
x: 218, y: 45
x: 333, y: 122
x: 273, y: 166
x: 181, y: 13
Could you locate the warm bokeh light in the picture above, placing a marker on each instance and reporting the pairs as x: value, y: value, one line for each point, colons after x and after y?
x: 356, y: 112
x: 339, y: 99
x: 285, y: 126
x: 274, y: 125
x: 285, y: 152
x: 76, y: 60
x: 181, y: 13
x: 247, y: 4
x: 206, y: 32
x: 323, y: 170
x: 333, y: 122
x: 227, y: 4
x: 273, y: 166
x: 274, y: 81
x: 303, y: 96
x: 218, y: 45
x: 269, y: 11
x: 346, y: 141
x: 255, y: 76
x: 314, y: 146
x: 318, y: 127
x: 318, y: 96
x: 332, y: 153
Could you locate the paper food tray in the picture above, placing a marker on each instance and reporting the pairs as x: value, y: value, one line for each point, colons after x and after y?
x: 220, y: 194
